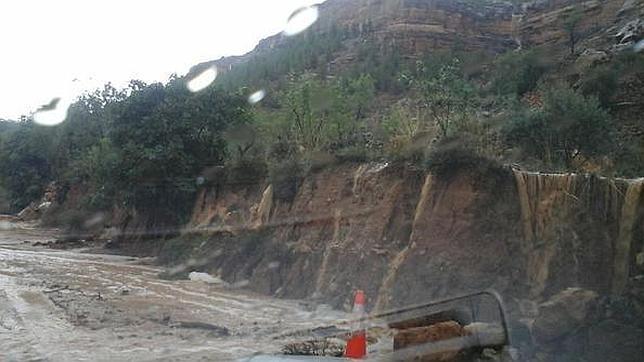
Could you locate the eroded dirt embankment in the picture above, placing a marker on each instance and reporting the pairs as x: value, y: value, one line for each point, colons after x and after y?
x: 407, y: 237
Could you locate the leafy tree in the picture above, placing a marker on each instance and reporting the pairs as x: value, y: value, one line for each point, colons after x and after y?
x: 24, y: 156
x: 516, y: 73
x: 445, y: 94
x: 569, y: 128
x: 166, y: 136
x: 403, y: 122
x: 308, y: 105
x: 408, y: 130
x: 318, y: 114
x: 358, y: 93
x: 601, y: 82
x: 383, y: 64
x: 571, y: 26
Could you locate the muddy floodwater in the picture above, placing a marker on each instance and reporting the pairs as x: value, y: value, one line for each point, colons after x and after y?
x: 77, y: 305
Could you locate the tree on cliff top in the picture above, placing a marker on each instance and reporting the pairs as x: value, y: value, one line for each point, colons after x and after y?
x: 568, y: 130
x: 444, y: 92
x: 24, y: 156
x: 165, y: 137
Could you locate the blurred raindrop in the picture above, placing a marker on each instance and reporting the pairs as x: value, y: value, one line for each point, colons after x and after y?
x: 52, y: 113
x: 202, y: 80
x: 639, y: 46
x: 301, y: 19
x: 257, y: 96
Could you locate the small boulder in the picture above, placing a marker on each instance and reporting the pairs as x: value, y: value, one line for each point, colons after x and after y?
x: 590, y: 58
x: 205, y: 278
x: 564, y: 313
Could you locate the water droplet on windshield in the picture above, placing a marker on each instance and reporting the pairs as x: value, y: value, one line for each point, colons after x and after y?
x: 639, y: 46
x: 301, y: 19
x: 202, y: 80
x: 52, y: 113
x: 257, y: 96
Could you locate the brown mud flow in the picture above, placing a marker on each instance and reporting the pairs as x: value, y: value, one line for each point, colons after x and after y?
x: 61, y: 306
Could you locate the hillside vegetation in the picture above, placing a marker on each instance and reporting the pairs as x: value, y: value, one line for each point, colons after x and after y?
x: 333, y: 94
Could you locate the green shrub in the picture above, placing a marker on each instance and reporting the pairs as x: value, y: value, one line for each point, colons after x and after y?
x: 516, y: 73
x: 246, y: 171
x: 600, y: 82
x: 455, y: 154
x: 629, y: 159
x: 356, y: 153
x: 568, y: 130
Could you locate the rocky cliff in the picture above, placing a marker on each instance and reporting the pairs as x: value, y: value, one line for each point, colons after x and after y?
x: 415, y: 27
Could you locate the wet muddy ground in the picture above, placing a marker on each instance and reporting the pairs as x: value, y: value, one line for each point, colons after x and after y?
x: 76, y: 305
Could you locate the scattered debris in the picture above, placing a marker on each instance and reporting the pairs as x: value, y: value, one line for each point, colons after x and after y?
x: 330, y: 347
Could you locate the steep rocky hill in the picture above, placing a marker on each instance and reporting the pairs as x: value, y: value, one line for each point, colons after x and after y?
x: 418, y: 26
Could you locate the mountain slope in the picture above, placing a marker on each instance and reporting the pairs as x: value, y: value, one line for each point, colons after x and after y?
x: 416, y: 27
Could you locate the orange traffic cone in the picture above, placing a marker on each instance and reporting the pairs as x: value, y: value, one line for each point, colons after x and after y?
x: 357, y: 344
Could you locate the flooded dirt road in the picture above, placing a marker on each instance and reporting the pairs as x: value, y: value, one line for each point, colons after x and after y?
x: 74, y: 305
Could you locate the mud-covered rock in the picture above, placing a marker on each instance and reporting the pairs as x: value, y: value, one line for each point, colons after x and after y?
x: 564, y: 313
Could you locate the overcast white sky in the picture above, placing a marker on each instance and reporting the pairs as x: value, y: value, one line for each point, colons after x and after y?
x: 45, y: 44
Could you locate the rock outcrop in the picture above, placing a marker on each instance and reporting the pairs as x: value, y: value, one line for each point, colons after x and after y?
x: 564, y: 313
x: 36, y: 209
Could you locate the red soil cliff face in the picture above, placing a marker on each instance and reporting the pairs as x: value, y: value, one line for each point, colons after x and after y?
x: 405, y: 237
